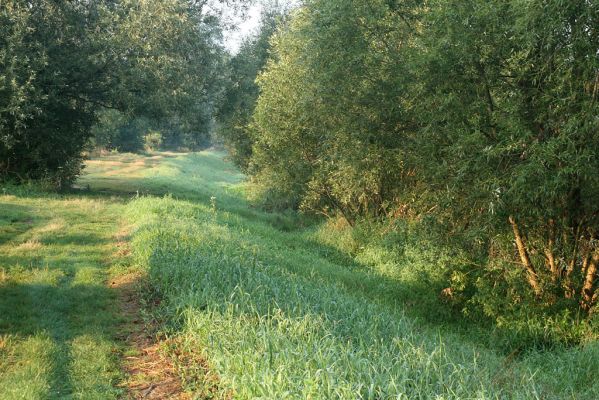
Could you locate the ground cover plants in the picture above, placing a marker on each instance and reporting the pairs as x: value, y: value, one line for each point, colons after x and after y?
x: 276, y: 310
x: 58, y: 318
x: 251, y: 304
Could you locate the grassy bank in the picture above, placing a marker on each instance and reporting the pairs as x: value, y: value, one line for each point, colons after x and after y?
x: 282, y: 310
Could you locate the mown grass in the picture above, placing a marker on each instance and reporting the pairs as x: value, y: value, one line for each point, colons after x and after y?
x: 281, y: 307
x: 58, y: 319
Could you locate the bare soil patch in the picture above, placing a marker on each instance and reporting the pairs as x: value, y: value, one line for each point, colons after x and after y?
x: 151, y: 374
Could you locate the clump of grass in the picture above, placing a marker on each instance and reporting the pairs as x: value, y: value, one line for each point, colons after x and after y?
x: 29, y: 245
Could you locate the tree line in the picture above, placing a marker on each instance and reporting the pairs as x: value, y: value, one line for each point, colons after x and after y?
x: 478, y: 119
x: 67, y: 65
x: 475, y: 120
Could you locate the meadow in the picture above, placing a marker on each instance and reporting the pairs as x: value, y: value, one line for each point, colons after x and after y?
x: 254, y: 304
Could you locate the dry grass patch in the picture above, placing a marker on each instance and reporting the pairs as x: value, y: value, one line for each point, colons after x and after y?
x: 84, y: 204
x: 29, y: 245
x: 4, y: 341
x: 129, y: 169
x: 52, y: 226
x: 123, y: 248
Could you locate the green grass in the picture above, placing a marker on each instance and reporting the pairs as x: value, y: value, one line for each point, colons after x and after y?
x: 282, y: 310
x: 277, y: 305
x: 57, y: 317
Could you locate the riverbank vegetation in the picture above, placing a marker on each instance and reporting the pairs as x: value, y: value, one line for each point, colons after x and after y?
x: 408, y: 203
x: 477, y: 121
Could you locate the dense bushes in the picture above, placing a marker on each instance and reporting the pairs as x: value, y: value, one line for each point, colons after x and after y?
x: 515, y: 130
x: 333, y: 106
x: 117, y: 131
x: 45, y: 108
x: 479, y: 117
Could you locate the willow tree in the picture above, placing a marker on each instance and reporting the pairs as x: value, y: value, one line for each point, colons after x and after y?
x: 334, y: 113
x: 479, y: 115
x: 241, y: 93
x: 510, y: 108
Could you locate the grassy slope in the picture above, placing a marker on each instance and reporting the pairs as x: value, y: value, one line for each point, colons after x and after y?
x: 284, y: 311
x: 279, y: 310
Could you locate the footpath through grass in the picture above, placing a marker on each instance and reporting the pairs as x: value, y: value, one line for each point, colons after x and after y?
x: 256, y: 305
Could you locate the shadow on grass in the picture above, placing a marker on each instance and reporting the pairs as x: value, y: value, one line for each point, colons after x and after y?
x: 15, y: 220
x: 61, y: 313
x: 42, y: 303
x: 418, y: 299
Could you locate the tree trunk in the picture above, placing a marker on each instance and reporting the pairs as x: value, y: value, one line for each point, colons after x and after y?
x: 574, y: 257
x: 587, y: 288
x: 549, y: 252
x: 525, y: 258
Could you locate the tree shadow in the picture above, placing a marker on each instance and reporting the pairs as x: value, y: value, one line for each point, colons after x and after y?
x: 43, y: 302
x: 61, y: 313
x: 418, y: 299
x: 15, y: 220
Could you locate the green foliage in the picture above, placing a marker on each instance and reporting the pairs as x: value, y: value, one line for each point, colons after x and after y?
x: 321, y: 311
x: 242, y: 91
x: 333, y: 109
x: 514, y: 136
x: 127, y: 133
x: 60, y: 62
x: 44, y: 109
x: 187, y: 134
x: 153, y: 141
x: 479, y: 116
x: 117, y: 131
x: 59, y: 322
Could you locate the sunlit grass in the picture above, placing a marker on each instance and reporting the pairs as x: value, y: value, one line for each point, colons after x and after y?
x: 57, y: 317
x: 280, y: 310
x: 276, y: 305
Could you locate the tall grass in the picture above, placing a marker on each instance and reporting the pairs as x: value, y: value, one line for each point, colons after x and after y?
x: 284, y: 311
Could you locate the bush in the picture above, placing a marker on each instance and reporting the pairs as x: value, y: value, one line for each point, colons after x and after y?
x: 153, y: 141
x: 480, y: 115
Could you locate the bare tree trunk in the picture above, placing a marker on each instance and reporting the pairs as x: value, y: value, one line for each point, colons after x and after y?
x: 570, y: 290
x: 549, y: 252
x: 587, y: 288
x: 572, y: 262
x: 586, y: 258
x: 525, y: 258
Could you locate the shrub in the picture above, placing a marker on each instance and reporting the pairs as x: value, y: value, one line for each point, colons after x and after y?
x: 152, y: 140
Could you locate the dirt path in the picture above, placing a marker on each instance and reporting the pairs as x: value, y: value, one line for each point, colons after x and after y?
x: 150, y: 373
